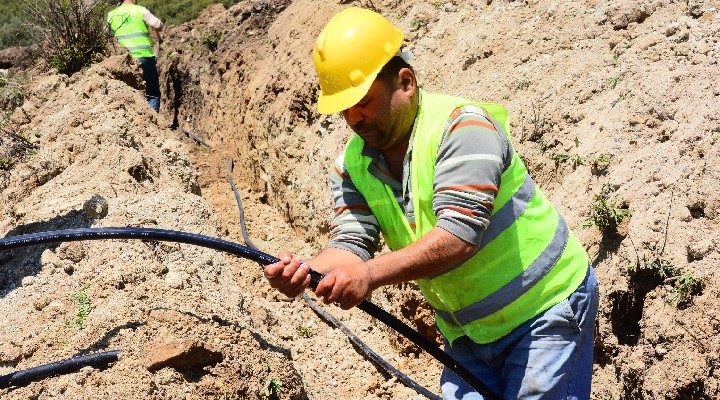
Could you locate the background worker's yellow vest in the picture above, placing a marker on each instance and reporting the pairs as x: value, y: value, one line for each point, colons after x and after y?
x: 127, y: 23
x: 528, y: 259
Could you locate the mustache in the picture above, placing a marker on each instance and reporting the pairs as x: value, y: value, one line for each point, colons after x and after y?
x: 359, y: 127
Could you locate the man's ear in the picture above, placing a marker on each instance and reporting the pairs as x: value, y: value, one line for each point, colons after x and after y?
x: 407, y: 81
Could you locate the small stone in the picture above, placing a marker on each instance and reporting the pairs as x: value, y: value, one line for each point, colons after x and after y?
x: 660, y: 351
x: 637, y: 120
x: 672, y: 29
x: 174, y: 280
x: 48, y: 259
x: 96, y: 207
x: 183, y: 353
x: 73, y: 251
x: 69, y: 268
x: 40, y: 304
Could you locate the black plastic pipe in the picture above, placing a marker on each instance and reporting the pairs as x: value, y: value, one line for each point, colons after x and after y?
x: 26, y: 376
x: 326, y: 316
x: 74, y: 235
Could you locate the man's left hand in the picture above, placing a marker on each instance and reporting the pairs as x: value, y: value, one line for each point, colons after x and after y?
x: 345, y: 286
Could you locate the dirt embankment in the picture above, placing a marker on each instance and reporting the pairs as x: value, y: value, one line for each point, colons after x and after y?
x: 600, y: 93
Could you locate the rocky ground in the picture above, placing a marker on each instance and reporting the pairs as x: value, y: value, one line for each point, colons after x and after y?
x: 621, y: 95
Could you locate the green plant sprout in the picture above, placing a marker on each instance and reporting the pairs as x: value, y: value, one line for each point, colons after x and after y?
x: 577, y: 161
x: 417, y: 23
x: 274, y: 388
x: 605, y: 211
x: 5, y: 165
x: 83, y: 309
x: 613, y: 81
x: 303, y: 331
x: 559, y: 157
x: 601, y: 163
x: 663, y: 268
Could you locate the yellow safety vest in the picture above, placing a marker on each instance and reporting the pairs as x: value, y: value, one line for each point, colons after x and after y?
x: 528, y: 259
x: 129, y: 27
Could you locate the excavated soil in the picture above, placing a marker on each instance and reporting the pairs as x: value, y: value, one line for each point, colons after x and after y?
x: 619, y: 94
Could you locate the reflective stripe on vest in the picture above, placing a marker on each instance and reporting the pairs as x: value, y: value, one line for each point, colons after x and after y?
x: 528, y: 259
x: 132, y: 35
x: 499, y: 299
x: 127, y: 22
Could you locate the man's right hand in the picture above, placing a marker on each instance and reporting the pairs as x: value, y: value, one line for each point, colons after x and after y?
x: 288, y: 275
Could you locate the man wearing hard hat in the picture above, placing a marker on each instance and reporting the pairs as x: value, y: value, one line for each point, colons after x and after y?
x: 437, y: 176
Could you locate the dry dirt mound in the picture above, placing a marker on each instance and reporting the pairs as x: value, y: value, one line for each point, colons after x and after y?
x: 615, y: 94
x: 96, y: 136
x: 96, y: 142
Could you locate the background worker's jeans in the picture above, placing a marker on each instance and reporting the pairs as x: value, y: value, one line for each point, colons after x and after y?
x: 547, y: 357
x: 152, y: 82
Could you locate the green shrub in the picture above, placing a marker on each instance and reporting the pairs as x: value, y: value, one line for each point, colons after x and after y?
x: 682, y: 284
x: 68, y: 60
x: 71, y: 34
x: 605, y: 211
x: 686, y: 287
x: 12, y: 90
x: 6, y: 165
x: 178, y: 11
x: 12, y: 32
x: 211, y: 40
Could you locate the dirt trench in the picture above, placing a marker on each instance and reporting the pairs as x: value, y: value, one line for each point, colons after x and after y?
x: 580, y: 121
x: 600, y: 93
x: 261, y: 117
x: 93, y: 135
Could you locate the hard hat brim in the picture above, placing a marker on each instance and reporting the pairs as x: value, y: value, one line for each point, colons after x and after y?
x: 342, y: 100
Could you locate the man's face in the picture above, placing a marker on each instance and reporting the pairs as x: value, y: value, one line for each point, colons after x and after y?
x: 377, y: 117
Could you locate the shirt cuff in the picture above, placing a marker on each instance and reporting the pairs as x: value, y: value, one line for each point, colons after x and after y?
x: 357, y: 250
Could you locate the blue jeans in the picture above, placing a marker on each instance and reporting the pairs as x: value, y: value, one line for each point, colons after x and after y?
x: 152, y: 82
x: 547, y: 357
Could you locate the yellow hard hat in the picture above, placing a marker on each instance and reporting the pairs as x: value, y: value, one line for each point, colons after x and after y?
x: 349, y: 53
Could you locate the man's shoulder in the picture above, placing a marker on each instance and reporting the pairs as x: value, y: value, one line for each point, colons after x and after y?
x: 139, y: 8
x: 127, y: 6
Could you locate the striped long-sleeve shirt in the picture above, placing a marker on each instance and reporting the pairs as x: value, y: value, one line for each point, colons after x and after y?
x: 473, y: 154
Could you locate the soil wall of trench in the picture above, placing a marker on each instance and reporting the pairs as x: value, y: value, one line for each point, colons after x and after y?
x: 621, y: 95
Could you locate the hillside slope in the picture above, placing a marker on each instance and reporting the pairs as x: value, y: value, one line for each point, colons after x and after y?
x: 615, y: 94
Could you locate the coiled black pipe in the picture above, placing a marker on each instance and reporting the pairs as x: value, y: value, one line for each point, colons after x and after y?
x: 74, y: 235
x: 20, y: 378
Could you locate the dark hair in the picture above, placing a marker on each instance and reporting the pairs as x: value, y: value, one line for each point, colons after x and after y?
x: 390, y: 70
